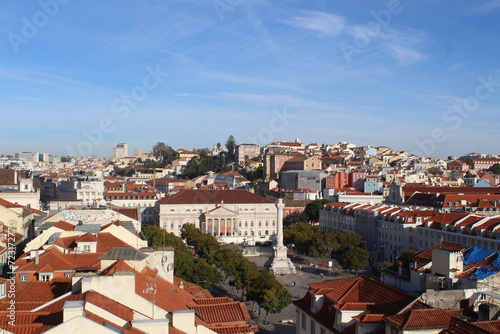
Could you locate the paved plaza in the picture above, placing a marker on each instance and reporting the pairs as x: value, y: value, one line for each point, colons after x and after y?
x: 308, y: 271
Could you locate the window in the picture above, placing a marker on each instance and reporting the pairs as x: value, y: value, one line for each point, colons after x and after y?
x: 313, y: 326
x: 45, y: 277
x: 322, y: 331
x: 23, y: 277
x: 86, y: 248
x: 303, y: 321
x: 68, y: 274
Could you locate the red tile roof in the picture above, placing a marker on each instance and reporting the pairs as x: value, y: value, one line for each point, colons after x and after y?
x: 420, y: 319
x: 8, y: 204
x: 192, y: 196
x: 131, y: 213
x: 30, y: 295
x: 222, y: 313
x: 376, y: 297
x: 459, y: 326
x: 64, y: 225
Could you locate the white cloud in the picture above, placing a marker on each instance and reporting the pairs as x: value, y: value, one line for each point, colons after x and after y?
x: 323, y: 23
x: 488, y: 6
x: 404, y: 55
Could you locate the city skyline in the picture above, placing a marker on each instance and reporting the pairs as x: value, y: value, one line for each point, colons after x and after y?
x: 416, y: 76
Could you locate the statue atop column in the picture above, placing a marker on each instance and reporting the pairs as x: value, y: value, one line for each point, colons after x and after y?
x: 280, y: 263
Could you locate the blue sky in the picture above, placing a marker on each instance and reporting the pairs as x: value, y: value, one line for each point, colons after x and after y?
x: 79, y: 77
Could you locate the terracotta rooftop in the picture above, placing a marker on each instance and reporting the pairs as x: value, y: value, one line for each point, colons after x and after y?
x: 192, y: 196
x: 421, y: 318
x: 376, y: 297
x: 30, y: 295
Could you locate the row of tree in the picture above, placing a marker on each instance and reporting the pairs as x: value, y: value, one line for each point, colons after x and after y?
x: 309, y: 239
x: 260, y: 286
x: 209, y: 260
x: 186, y: 266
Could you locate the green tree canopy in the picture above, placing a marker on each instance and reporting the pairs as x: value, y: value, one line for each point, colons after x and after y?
x: 202, y: 164
x: 407, y: 255
x: 312, y: 209
x: 324, y: 243
x: 231, y: 144
x: 354, y: 259
x: 295, y: 217
x: 186, y: 266
x: 377, y: 270
x: 243, y: 273
x: 300, y: 235
x: 495, y: 169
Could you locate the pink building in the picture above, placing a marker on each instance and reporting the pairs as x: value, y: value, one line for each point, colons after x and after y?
x: 248, y: 150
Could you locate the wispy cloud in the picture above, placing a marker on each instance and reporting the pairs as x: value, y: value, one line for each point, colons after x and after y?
x: 404, y: 55
x: 487, y: 6
x: 323, y: 23
x: 273, y: 100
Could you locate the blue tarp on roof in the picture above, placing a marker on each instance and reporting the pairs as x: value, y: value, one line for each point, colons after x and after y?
x: 477, y: 254
x: 496, y: 263
x: 483, y: 273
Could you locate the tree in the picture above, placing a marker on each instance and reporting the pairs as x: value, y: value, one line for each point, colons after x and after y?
x: 231, y: 144
x: 354, y: 259
x: 495, y: 169
x: 312, y: 209
x: 377, y: 270
x: 295, y: 217
x: 348, y: 239
x: 186, y: 266
x: 164, y: 154
x: 301, y: 235
x: 324, y: 243
x: 275, y: 299
x: 202, y: 164
x: 435, y: 171
x: 407, y: 255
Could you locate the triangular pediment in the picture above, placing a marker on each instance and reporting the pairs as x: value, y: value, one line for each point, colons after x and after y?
x: 221, y: 211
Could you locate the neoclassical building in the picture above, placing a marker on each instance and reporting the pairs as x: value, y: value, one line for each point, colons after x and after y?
x: 228, y: 214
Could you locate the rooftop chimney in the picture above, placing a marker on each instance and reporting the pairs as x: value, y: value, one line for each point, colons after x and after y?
x: 184, y: 320
x: 73, y: 309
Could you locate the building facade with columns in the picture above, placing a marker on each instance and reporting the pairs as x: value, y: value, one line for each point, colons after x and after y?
x: 231, y: 215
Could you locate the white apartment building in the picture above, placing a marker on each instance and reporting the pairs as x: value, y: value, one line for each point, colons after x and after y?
x: 87, y: 189
x: 390, y: 230
x: 120, y: 151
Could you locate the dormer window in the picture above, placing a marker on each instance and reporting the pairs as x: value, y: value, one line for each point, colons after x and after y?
x: 45, y: 277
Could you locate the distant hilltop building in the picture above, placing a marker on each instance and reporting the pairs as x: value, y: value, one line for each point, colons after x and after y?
x: 120, y: 151
x: 249, y: 151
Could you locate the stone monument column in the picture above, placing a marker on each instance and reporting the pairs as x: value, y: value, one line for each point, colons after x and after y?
x: 280, y: 264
